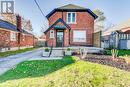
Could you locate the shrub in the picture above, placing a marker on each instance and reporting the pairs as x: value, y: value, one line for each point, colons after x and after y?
x: 68, y: 49
x: 46, y: 49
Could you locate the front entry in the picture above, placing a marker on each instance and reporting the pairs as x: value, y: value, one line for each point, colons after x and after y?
x: 60, y: 39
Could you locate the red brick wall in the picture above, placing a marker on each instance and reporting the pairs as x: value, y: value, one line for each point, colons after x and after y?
x: 84, y: 21
x: 26, y: 40
x: 50, y: 41
x: 5, y: 39
x: 14, y: 43
x: 6, y: 42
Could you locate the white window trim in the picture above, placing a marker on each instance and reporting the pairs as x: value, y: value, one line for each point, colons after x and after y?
x: 71, y: 18
x: 52, y: 34
x: 12, y: 37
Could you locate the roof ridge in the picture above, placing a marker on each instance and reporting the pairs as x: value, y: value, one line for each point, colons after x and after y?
x: 70, y: 6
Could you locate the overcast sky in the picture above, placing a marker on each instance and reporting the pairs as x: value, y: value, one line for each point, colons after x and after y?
x: 116, y: 11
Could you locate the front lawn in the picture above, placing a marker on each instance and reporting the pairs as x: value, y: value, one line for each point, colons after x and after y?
x: 121, y: 52
x: 68, y: 72
x: 8, y: 53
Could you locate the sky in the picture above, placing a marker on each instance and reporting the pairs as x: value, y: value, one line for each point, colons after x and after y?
x: 116, y: 11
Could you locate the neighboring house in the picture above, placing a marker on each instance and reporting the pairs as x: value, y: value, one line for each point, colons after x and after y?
x: 13, y: 37
x: 70, y: 25
x: 118, y: 36
x: 43, y: 38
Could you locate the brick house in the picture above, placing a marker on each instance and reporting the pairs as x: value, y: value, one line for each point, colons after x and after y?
x: 70, y: 25
x: 13, y: 37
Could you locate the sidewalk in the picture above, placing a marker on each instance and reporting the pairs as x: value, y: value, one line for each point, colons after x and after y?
x: 11, y: 61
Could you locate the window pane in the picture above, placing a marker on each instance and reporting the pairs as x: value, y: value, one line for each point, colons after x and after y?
x: 69, y: 17
x: 79, y: 36
x: 13, y: 36
x: 73, y: 17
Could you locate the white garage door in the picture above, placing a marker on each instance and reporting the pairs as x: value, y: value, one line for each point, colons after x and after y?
x: 79, y: 36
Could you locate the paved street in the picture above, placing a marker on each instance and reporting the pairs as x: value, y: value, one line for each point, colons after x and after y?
x: 11, y: 61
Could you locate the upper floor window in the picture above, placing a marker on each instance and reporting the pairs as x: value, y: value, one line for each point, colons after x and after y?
x: 71, y: 17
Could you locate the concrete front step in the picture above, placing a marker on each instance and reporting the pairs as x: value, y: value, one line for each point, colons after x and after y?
x: 56, y: 53
x: 74, y: 48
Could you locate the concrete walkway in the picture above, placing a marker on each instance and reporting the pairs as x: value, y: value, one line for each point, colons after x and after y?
x: 11, y: 61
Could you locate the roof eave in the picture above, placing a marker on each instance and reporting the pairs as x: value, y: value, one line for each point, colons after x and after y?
x: 82, y: 10
x: 56, y: 23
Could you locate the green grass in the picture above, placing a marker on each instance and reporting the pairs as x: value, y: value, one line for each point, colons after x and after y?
x: 8, y: 53
x: 68, y: 72
x: 121, y: 52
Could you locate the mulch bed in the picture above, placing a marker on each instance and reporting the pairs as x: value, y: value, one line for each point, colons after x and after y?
x: 107, y: 60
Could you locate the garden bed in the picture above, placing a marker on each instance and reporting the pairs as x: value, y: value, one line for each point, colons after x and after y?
x: 107, y: 60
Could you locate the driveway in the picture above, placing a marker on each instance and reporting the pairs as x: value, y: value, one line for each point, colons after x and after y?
x: 11, y: 61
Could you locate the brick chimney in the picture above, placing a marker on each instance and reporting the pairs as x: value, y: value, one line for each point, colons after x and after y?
x: 19, y: 22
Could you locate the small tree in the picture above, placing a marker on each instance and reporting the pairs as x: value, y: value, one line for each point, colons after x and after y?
x: 114, y: 53
x: 100, y: 21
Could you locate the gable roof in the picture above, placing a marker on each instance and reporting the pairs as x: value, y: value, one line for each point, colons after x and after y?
x: 53, y: 25
x: 71, y: 8
x: 8, y: 25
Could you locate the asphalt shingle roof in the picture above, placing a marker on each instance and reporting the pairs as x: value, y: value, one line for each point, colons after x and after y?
x: 7, y: 25
x: 71, y: 6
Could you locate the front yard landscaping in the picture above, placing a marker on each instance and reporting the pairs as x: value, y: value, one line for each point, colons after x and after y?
x: 108, y: 60
x: 68, y: 72
x: 121, y: 52
x: 8, y: 53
